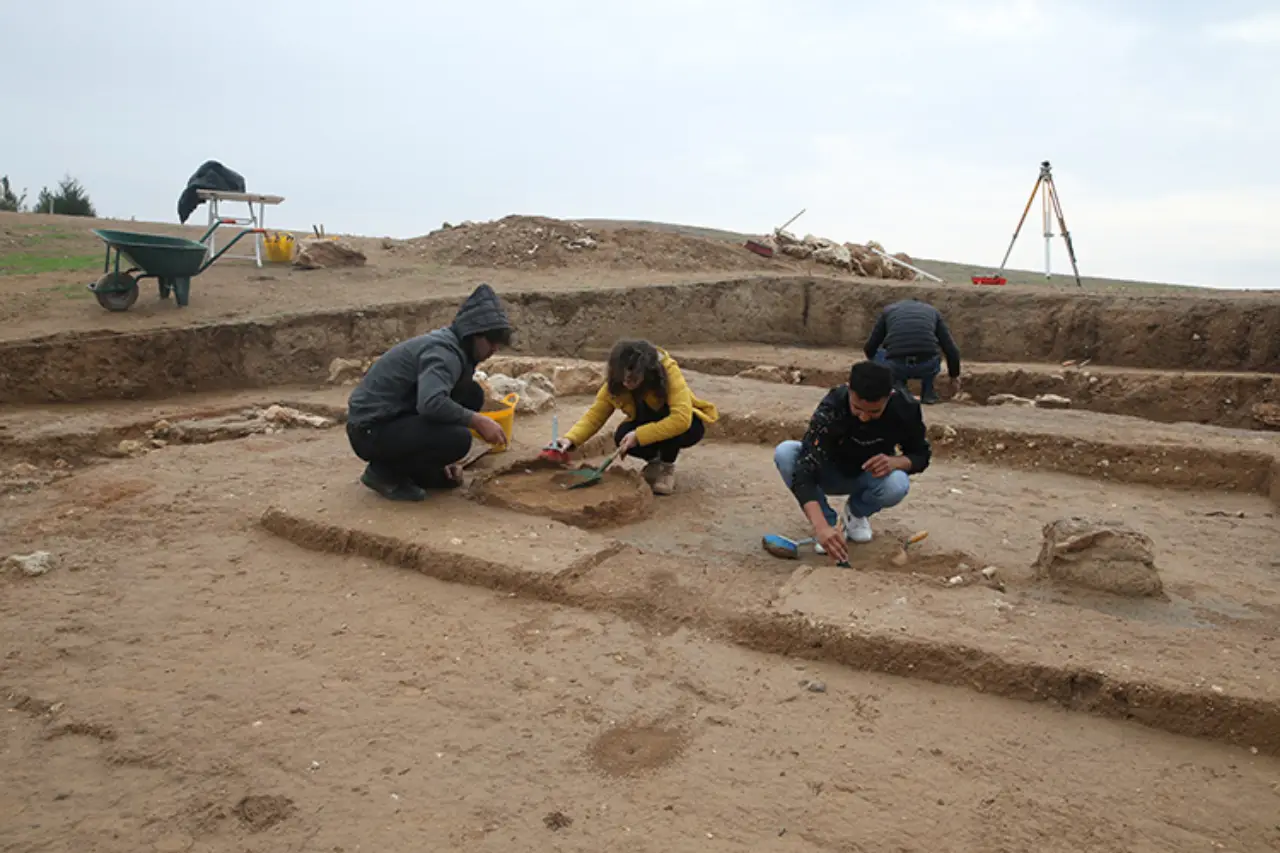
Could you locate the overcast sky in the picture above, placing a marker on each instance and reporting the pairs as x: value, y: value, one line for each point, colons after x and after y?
x: 919, y: 124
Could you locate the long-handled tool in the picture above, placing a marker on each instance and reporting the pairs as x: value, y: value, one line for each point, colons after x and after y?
x: 585, y: 477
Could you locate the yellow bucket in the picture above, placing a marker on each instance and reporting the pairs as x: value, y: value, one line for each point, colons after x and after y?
x: 506, y: 417
x: 279, y: 247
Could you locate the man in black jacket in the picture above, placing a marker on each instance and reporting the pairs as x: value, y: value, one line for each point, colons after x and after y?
x: 850, y: 449
x: 410, y: 416
x: 907, y: 337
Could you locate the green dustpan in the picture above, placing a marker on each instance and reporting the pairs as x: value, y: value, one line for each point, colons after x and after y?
x: 584, y: 477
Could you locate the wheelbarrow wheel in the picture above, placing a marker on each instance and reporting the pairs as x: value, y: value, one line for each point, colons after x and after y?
x: 116, y: 291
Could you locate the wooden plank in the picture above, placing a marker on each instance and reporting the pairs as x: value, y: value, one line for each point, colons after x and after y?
x: 255, y: 198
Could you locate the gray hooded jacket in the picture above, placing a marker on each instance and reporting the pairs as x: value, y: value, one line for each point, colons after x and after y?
x: 418, y: 375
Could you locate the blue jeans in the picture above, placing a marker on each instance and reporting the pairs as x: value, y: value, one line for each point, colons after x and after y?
x: 922, y: 370
x: 867, y: 494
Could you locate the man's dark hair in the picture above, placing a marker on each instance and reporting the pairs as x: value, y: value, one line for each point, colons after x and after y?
x: 870, y: 380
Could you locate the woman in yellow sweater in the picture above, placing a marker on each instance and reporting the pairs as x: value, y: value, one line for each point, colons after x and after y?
x: 663, y: 416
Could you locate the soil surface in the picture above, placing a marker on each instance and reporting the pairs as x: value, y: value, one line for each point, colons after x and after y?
x: 164, y: 700
x: 619, y: 497
x: 237, y: 647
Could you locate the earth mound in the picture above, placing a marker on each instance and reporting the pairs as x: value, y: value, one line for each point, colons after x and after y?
x: 539, y: 242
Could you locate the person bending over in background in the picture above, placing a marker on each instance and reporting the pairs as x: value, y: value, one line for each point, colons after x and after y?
x: 410, y: 416
x: 907, y: 337
x: 850, y: 448
x: 663, y: 416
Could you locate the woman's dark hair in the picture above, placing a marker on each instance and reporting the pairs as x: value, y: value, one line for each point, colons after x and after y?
x: 870, y: 381
x: 632, y: 358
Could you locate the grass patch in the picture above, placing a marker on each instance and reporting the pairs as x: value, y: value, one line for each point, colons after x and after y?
x: 48, y: 233
x: 30, y: 263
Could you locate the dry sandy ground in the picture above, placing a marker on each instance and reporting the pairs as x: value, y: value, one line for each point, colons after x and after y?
x: 186, y: 681
x: 213, y: 688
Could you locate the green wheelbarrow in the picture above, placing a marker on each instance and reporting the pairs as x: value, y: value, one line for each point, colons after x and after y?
x: 172, y: 261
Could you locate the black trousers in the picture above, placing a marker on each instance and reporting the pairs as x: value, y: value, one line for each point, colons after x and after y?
x: 415, y: 448
x: 668, y: 449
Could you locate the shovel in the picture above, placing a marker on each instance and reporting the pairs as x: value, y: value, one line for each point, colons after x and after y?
x: 585, y: 477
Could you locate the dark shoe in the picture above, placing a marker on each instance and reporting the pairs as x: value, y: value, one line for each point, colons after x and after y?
x: 392, y: 490
x: 929, y: 399
x: 434, y: 479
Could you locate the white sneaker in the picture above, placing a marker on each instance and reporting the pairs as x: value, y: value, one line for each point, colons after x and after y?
x: 856, y: 528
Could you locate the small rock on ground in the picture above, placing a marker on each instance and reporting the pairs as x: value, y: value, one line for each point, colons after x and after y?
x: 32, y: 565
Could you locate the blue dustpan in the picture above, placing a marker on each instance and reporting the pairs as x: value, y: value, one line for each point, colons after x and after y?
x: 781, y: 546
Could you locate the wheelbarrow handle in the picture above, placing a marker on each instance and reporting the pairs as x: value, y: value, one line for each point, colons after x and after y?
x: 223, y: 250
x: 214, y: 227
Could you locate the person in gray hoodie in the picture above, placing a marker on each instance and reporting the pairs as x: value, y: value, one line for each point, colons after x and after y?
x: 409, y: 418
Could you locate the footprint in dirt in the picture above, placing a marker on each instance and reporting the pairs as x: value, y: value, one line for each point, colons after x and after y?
x: 259, y: 812
x: 628, y: 750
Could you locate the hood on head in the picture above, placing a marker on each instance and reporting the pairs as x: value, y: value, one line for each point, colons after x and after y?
x: 481, y: 312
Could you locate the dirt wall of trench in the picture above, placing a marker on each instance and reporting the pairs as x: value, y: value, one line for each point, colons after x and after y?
x: 1191, y: 333
x: 1221, y: 399
x: 990, y: 324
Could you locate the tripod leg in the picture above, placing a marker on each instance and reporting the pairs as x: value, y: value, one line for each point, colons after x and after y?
x: 1066, y: 235
x: 1047, y: 224
x: 1021, y: 220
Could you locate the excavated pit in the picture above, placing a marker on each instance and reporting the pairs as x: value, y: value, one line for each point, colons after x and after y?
x: 620, y: 497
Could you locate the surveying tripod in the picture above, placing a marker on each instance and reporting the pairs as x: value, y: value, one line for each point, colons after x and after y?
x: 1049, y: 203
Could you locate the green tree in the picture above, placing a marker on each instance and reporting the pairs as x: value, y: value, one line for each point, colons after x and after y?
x: 71, y: 199
x: 9, y: 201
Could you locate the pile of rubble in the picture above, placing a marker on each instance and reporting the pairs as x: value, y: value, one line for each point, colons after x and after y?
x: 1040, y: 401
x: 540, y: 242
x: 325, y: 253
x: 536, y: 381
x: 257, y: 421
x: 861, y: 260
x: 513, y: 241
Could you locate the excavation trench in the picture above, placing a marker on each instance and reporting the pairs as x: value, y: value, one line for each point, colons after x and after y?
x: 1237, y: 400
x: 1204, y: 466
x: 1206, y: 333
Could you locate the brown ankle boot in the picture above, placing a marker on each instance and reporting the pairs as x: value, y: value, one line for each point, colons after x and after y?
x: 664, y: 483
